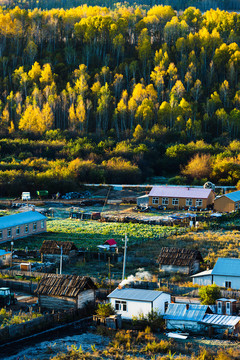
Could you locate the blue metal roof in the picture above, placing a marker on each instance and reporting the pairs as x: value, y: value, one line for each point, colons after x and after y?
x: 3, y: 252
x: 227, y: 267
x: 221, y: 320
x: 234, y: 196
x: 135, y: 294
x: 191, y: 312
x: 20, y: 219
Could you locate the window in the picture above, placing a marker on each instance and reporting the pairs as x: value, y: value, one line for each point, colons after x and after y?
x: 26, y: 228
x: 17, y: 230
x: 34, y: 226
x: 175, y: 201
x: 120, y: 305
x: 164, y: 201
x: 155, y: 200
x: 188, y: 202
x: 9, y: 232
x: 198, y: 202
x: 228, y: 284
x: 42, y: 224
x: 0, y: 234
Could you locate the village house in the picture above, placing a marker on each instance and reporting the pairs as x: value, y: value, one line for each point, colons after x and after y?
x: 178, y: 197
x: 62, y: 292
x: 20, y: 225
x: 181, y: 260
x: 225, y: 273
x: 51, y: 250
x: 134, y: 302
x: 227, y: 202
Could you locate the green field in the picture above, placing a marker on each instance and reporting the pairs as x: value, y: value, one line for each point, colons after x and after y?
x: 91, y: 233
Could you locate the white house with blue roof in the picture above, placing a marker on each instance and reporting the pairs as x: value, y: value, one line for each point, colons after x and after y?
x: 226, y: 273
x: 130, y: 302
x: 20, y: 225
x: 227, y: 202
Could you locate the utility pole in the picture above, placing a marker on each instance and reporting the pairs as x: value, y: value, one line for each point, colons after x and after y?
x: 61, y: 260
x: 124, y: 257
x: 12, y: 243
x: 109, y: 272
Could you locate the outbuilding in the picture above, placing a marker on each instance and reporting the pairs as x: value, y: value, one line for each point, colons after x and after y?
x: 179, y: 197
x: 214, y: 323
x: 5, y: 257
x: 20, y: 225
x: 226, y: 273
x: 181, y: 260
x: 134, y: 302
x: 227, y: 202
x: 51, y: 250
x: 186, y: 316
x: 62, y: 292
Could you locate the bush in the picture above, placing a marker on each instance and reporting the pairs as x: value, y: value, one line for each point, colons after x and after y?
x: 105, y: 310
x: 209, y: 294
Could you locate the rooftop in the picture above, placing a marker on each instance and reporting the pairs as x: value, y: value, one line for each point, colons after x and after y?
x: 135, y: 294
x: 203, y: 273
x: 3, y: 252
x: 178, y: 256
x: 180, y: 192
x: 20, y: 219
x: 54, y: 247
x: 227, y: 266
x: 234, y: 196
x: 221, y: 320
x: 191, y: 312
x: 64, y: 285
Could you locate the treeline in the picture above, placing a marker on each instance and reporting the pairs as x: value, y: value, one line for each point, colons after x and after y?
x: 179, y: 5
x: 117, y: 89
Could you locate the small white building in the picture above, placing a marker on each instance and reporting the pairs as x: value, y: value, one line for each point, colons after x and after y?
x: 134, y: 302
x: 226, y: 273
x: 143, y: 201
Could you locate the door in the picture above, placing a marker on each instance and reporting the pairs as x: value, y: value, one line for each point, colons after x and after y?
x: 219, y: 307
x: 228, y: 308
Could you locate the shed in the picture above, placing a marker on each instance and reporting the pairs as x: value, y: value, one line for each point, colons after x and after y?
x: 226, y: 273
x: 179, y: 197
x: 186, y: 316
x: 62, y: 292
x: 5, y: 257
x: 20, y: 225
x: 134, y: 302
x: 143, y: 201
x: 221, y: 323
x: 51, y: 250
x: 182, y: 260
x: 226, y: 306
x: 227, y: 202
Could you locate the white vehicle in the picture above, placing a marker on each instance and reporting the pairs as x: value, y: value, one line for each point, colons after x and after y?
x: 26, y: 196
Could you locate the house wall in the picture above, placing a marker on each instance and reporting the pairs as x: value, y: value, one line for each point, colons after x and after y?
x: 134, y: 308
x: 159, y: 303
x: 223, y: 204
x: 57, y: 302
x: 22, y: 233
x: 202, y: 280
x: 183, y: 325
x: 143, y: 201
x: 86, y: 297
x: 54, y: 257
x: 182, y: 202
x: 5, y: 259
x: 220, y: 281
x: 173, y: 268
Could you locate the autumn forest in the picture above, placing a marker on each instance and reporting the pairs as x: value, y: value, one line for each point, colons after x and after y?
x: 97, y: 94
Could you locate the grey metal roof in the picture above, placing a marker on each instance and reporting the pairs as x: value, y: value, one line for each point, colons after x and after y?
x: 234, y: 196
x: 221, y: 320
x: 203, y: 273
x: 191, y: 312
x: 180, y: 192
x: 135, y: 294
x: 227, y: 267
x: 20, y: 219
x: 142, y: 197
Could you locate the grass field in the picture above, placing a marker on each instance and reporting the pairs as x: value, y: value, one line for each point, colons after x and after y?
x: 92, y: 233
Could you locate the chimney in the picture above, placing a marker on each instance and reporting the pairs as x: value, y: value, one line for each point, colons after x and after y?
x: 187, y: 306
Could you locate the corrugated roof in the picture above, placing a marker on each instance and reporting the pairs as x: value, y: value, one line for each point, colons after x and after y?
x: 20, y: 219
x: 178, y: 256
x: 54, y: 247
x: 191, y: 312
x: 225, y: 299
x: 234, y: 196
x: 135, y: 294
x: 227, y: 266
x: 180, y: 192
x: 221, y: 320
x: 203, y: 273
x: 3, y: 252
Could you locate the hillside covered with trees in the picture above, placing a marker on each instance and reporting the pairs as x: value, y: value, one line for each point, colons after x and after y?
x: 93, y: 94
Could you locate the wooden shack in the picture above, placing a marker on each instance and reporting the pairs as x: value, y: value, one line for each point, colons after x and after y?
x: 63, y: 292
x: 181, y: 260
x: 51, y: 250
